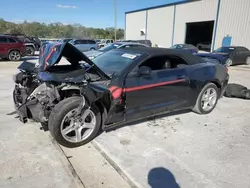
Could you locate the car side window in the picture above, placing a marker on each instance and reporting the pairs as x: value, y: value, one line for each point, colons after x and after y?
x: 91, y: 42
x: 108, y: 41
x: 81, y: 42
x: 164, y: 62
x: 3, y: 40
x: 242, y: 49
x: 11, y: 40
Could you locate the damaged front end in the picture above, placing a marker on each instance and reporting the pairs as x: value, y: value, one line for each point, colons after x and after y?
x: 38, y: 104
x: 39, y: 88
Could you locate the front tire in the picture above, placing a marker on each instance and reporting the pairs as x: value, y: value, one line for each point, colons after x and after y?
x: 207, y: 99
x: 30, y: 51
x: 71, y: 132
x: 229, y: 62
x: 14, y: 55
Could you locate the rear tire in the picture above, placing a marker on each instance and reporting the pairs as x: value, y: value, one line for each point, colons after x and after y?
x: 14, y: 55
x: 30, y: 51
x: 200, y: 104
x: 57, y: 120
x: 247, y: 62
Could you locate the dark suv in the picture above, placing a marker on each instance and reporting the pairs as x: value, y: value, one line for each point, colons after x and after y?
x: 11, y: 48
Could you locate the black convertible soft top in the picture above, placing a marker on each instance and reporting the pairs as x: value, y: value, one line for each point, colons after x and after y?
x: 191, y: 59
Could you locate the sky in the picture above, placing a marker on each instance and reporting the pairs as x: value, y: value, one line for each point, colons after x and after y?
x: 90, y: 13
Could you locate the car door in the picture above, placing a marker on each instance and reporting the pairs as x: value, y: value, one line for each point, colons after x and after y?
x: 161, y: 90
x: 82, y: 45
x: 4, y: 46
x: 236, y: 57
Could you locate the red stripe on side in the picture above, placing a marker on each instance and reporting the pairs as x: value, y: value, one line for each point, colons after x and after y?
x: 152, y: 85
x: 51, y: 52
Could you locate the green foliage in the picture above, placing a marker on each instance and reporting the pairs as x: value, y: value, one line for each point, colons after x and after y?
x: 59, y: 30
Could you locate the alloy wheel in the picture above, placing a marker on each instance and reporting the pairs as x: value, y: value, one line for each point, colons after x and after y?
x: 229, y: 62
x: 15, y: 55
x: 208, y: 99
x: 248, y: 61
x: 78, y: 129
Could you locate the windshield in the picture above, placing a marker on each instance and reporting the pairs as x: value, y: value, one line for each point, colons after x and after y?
x: 115, y: 61
x: 109, y: 47
x: 224, y: 50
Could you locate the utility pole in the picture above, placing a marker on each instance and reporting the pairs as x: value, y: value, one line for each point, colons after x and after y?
x: 115, y: 17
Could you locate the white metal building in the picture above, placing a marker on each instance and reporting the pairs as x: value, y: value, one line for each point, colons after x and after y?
x: 219, y: 22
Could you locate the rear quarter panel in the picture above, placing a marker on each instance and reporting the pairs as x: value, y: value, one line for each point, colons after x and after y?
x: 204, y: 73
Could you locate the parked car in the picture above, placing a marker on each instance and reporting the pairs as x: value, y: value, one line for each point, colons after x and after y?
x: 11, y: 48
x: 65, y: 40
x: 187, y: 47
x: 146, y: 42
x: 204, y: 46
x: 117, y: 45
x: 232, y: 55
x: 213, y: 57
x: 117, y: 87
x: 32, y: 43
x: 84, y: 44
x: 105, y: 42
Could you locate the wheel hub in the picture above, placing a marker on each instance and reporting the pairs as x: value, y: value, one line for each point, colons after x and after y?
x: 78, y: 129
x: 209, y: 98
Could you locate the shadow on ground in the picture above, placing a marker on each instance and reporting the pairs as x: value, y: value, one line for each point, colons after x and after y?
x: 161, y: 178
x: 154, y: 117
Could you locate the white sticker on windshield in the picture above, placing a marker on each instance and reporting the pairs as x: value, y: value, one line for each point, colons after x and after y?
x: 130, y: 56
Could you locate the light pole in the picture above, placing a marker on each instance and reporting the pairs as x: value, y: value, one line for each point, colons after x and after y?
x: 115, y: 17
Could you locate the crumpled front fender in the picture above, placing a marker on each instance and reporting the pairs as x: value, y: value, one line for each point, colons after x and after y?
x: 94, y: 92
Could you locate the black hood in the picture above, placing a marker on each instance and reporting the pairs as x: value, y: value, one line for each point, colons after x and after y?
x: 51, y: 54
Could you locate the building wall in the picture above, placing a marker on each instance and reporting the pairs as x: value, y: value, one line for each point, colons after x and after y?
x: 234, y: 20
x: 134, y: 23
x: 160, y: 26
x: 199, y: 11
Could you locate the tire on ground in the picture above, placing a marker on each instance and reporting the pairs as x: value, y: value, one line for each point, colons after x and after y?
x: 30, y: 50
x: 59, y: 112
x: 14, y: 55
x: 198, y: 108
x: 247, y: 62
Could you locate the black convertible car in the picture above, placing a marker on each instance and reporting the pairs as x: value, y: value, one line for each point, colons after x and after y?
x: 232, y: 55
x: 120, y: 86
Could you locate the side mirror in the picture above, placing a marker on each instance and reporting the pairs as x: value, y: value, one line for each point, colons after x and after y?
x: 144, y: 70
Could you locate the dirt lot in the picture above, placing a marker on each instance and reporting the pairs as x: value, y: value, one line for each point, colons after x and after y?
x: 184, y: 150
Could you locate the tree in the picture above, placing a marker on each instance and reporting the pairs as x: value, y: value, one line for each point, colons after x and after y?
x: 58, y: 30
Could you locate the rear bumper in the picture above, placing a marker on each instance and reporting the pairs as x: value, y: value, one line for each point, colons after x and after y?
x: 224, y: 85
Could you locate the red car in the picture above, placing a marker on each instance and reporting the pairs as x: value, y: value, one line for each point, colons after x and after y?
x: 11, y: 48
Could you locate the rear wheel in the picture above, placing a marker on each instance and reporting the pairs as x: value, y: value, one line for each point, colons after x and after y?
x: 14, y: 55
x: 247, y: 61
x: 229, y: 62
x: 30, y: 51
x: 207, y: 99
x: 71, y: 131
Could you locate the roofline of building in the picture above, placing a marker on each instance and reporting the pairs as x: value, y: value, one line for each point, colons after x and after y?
x: 161, y: 6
